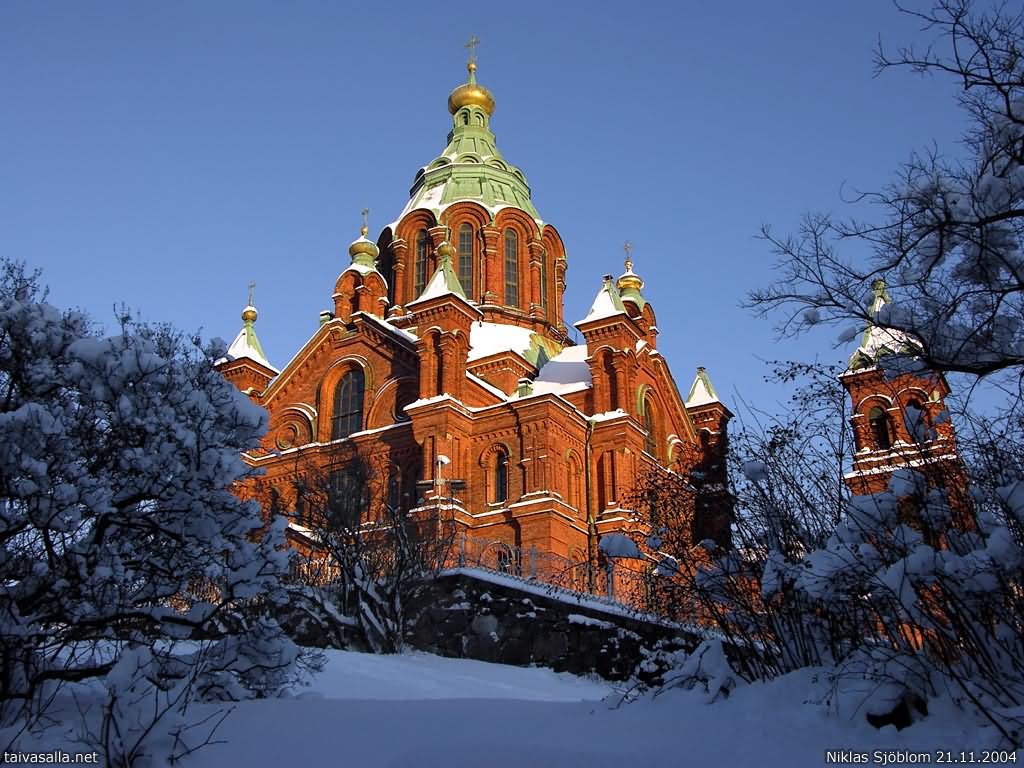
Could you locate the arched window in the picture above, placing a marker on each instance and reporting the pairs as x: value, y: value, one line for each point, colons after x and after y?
x: 348, y: 405
x: 511, y: 268
x: 420, y: 265
x: 650, y: 440
x: 466, y: 259
x: 575, y: 482
x: 544, y: 279
x: 879, y: 421
x: 499, y: 486
x: 916, y: 422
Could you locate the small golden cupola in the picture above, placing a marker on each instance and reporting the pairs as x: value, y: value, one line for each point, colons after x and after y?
x: 630, y: 283
x: 360, y: 287
x: 471, y: 93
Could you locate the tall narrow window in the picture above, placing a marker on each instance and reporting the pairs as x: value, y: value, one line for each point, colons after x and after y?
x: 394, y: 489
x: 575, y: 476
x: 466, y: 259
x: 348, y: 405
x: 511, y: 268
x: 420, y: 266
x: 917, y: 424
x: 879, y: 421
x: 650, y: 441
x: 544, y: 279
x: 500, y: 490
x: 345, y: 498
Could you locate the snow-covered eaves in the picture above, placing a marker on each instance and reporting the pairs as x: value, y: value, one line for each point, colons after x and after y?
x: 394, y: 330
x: 568, y: 367
x: 702, y: 391
x: 606, y: 304
x: 246, y: 345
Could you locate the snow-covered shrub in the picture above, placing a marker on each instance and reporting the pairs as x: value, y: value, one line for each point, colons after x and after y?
x: 121, y: 536
x: 370, y: 562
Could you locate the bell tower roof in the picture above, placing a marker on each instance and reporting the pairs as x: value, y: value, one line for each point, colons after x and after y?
x: 878, y: 341
x: 246, y: 343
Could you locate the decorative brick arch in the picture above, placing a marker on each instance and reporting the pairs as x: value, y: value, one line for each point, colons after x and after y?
x: 526, y: 230
x: 574, y: 482
x: 294, y: 426
x: 407, y: 232
x: 325, y: 392
x: 386, y: 405
x: 496, y: 468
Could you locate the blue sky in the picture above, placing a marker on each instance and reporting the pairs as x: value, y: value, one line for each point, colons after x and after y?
x: 165, y: 154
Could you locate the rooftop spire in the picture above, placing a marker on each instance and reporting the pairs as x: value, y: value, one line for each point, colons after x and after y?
x: 363, y: 251
x: 246, y: 344
x: 878, y: 341
x: 444, y: 279
x: 630, y: 283
x: 470, y: 93
x: 702, y: 391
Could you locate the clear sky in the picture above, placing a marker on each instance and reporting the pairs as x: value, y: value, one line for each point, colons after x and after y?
x: 165, y: 154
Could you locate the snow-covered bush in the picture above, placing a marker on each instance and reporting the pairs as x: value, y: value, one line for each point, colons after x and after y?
x: 370, y: 558
x: 126, y: 558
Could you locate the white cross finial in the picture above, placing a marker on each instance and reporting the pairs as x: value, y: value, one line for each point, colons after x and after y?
x: 471, y: 45
x: 252, y: 290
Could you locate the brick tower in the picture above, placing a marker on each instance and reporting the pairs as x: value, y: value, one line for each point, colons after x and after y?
x: 899, y: 416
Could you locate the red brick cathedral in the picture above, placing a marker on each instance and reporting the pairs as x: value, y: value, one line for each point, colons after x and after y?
x: 448, y: 366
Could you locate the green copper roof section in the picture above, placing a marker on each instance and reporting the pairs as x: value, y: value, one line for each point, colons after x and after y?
x: 246, y: 343
x: 877, y: 342
x: 444, y: 280
x: 630, y: 283
x: 470, y: 168
x: 702, y: 391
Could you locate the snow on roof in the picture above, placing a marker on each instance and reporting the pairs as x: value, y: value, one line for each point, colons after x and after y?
x: 557, y: 388
x: 490, y: 338
x: 400, y: 332
x: 608, y: 415
x: 607, y: 303
x: 489, y: 387
x: 443, y: 282
x: 567, y: 367
x: 702, y: 391
x: 878, y: 341
x: 246, y: 345
x: 363, y: 269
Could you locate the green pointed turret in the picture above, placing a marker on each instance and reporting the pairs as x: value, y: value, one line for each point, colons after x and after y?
x: 702, y: 391
x: 876, y: 341
x: 471, y: 167
x: 630, y: 284
x: 444, y: 280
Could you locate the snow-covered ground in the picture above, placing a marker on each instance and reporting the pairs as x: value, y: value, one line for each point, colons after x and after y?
x: 422, y: 711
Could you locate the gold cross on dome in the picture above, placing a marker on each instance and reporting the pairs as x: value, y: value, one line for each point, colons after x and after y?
x: 366, y: 221
x: 471, y: 45
x: 628, y: 247
x: 252, y: 289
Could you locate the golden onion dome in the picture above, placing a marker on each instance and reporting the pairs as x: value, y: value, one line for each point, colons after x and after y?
x: 629, y: 279
x: 445, y: 250
x: 471, y: 93
x: 363, y: 246
x: 249, y: 314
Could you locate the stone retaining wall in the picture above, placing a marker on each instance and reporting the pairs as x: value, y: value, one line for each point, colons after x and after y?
x: 494, y: 618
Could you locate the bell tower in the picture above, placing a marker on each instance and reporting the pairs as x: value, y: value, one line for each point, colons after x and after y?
x: 899, y: 416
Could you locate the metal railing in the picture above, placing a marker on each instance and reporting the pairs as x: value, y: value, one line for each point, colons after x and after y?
x: 628, y: 584
x: 634, y: 588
